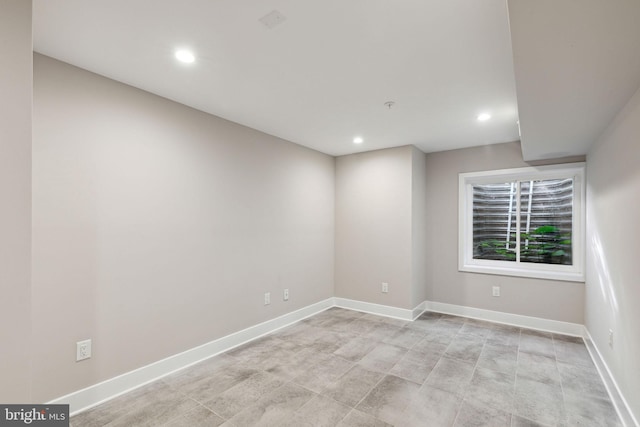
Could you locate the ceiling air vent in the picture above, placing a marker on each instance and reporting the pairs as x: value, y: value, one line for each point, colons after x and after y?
x: 273, y: 19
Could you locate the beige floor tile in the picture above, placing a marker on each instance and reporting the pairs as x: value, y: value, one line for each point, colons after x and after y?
x: 383, y: 357
x: 451, y: 375
x: 353, y: 386
x: 321, y: 375
x: 430, y: 407
x: 474, y: 415
x: 356, y: 418
x: 388, y: 399
x: 275, y: 408
x: 492, y: 388
x: 321, y: 411
x: 238, y: 397
x: 539, y: 401
x: 436, y: 371
x: 197, y: 417
x: 415, y: 366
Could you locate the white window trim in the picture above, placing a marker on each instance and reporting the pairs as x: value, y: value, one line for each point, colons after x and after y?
x: 573, y: 273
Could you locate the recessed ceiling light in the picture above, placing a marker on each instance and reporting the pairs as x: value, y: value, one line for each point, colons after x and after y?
x: 358, y: 140
x: 185, y: 56
x: 484, y: 117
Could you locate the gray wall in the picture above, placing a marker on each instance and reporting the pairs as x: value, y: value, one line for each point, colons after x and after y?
x: 15, y: 188
x: 381, y: 226
x: 419, y: 227
x: 547, y: 299
x: 373, y: 226
x: 613, y: 229
x: 157, y: 228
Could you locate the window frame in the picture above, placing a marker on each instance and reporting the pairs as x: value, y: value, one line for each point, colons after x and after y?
x: 466, y: 262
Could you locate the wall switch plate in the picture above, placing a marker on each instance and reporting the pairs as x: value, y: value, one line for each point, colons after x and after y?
x: 83, y: 350
x: 267, y: 298
x: 496, y: 291
x: 385, y: 287
x: 285, y: 295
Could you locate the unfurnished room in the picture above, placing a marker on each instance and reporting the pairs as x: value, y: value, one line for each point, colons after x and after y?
x: 320, y: 213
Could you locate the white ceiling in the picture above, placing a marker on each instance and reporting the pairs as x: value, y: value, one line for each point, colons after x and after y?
x: 322, y: 76
x: 577, y: 63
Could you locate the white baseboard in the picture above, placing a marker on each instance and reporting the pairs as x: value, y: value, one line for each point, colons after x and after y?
x: 540, y: 324
x: 379, y: 309
x: 620, y: 403
x: 106, y: 390
x: 94, y: 395
x: 421, y: 308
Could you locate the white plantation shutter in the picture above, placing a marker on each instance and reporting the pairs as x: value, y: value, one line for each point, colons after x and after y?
x: 546, y: 206
x: 494, y: 221
x: 551, y: 206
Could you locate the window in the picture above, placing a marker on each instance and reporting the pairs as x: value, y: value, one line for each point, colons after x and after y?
x: 523, y: 222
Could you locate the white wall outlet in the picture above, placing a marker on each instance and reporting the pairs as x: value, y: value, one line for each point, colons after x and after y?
x: 285, y: 295
x: 83, y: 350
x: 267, y: 298
x: 385, y: 287
x: 611, y: 338
x: 496, y: 291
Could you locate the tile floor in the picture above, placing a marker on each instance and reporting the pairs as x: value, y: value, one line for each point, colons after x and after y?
x: 346, y: 368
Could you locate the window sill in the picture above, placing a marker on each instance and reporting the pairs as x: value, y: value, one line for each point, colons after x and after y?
x: 567, y: 276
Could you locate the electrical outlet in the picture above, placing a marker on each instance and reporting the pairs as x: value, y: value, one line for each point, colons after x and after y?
x: 83, y: 350
x: 285, y: 295
x: 385, y: 287
x: 496, y: 291
x: 611, y: 338
x: 267, y: 298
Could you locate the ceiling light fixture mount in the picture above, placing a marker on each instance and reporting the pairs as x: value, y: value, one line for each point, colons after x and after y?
x: 358, y: 140
x: 484, y: 117
x: 272, y: 19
